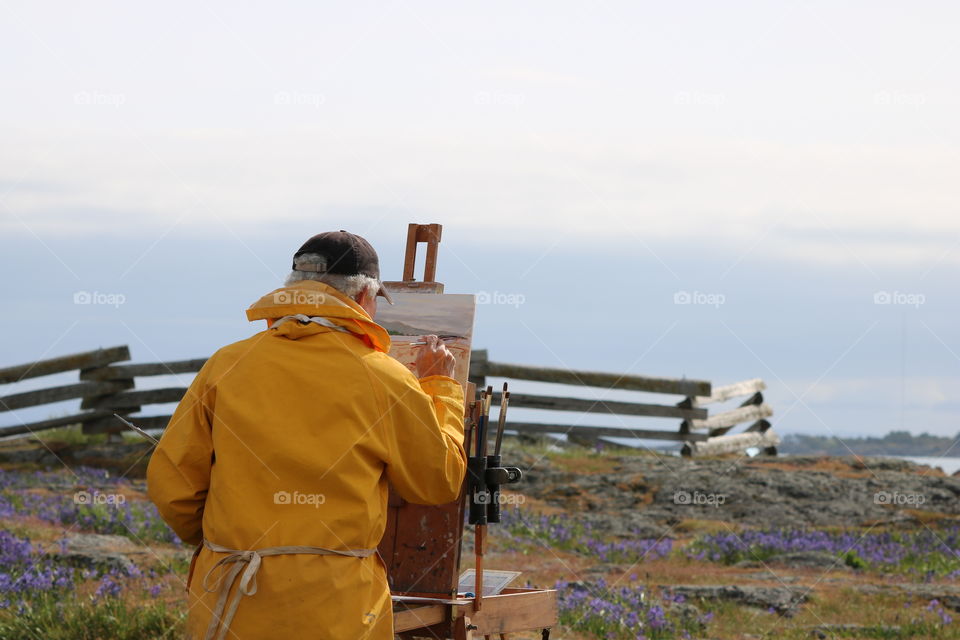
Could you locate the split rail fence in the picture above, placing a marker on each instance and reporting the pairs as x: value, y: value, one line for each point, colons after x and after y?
x: 107, y: 385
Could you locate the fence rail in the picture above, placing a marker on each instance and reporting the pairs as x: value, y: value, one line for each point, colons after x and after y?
x: 106, y: 387
x: 481, y: 366
x: 758, y: 435
x: 125, y: 371
x: 85, y: 360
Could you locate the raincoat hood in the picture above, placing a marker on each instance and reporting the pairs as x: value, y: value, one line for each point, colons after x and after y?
x: 312, y: 299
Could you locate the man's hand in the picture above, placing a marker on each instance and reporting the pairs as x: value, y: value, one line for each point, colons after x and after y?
x: 434, y: 359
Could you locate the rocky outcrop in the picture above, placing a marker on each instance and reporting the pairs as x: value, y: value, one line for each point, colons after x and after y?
x: 784, y: 600
x: 99, y: 551
x: 654, y: 493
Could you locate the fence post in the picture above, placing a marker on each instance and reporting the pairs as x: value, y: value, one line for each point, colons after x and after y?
x: 111, y: 426
x: 478, y: 368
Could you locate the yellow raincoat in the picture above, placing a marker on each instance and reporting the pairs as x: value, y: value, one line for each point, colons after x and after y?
x: 288, y: 438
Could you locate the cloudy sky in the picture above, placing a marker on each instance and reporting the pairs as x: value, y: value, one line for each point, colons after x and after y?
x: 717, y: 191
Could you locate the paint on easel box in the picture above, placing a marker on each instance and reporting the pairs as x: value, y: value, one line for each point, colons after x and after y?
x: 448, y: 315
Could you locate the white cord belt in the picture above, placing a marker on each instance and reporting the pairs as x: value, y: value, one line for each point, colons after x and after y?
x: 222, y: 612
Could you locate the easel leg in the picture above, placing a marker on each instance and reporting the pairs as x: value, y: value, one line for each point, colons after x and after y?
x: 462, y: 629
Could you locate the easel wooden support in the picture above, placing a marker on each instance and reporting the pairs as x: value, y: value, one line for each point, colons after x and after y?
x: 431, y: 606
x: 430, y: 235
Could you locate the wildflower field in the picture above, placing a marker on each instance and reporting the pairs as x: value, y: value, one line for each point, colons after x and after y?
x: 883, y: 583
x: 47, y: 592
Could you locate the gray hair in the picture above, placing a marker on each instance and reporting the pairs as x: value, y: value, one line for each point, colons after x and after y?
x: 348, y: 285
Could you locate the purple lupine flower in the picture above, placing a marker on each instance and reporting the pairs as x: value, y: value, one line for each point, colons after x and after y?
x: 19, y: 496
x: 903, y: 551
x: 107, y: 588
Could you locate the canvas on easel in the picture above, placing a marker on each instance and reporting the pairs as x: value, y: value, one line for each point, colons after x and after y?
x: 413, y: 315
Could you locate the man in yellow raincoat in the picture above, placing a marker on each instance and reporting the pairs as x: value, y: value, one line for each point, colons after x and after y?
x: 276, y: 461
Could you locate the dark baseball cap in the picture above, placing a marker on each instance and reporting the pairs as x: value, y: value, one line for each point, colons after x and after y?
x: 347, y: 254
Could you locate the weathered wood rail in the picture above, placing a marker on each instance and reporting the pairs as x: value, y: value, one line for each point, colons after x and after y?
x: 107, y: 386
x: 758, y: 435
x: 691, y: 409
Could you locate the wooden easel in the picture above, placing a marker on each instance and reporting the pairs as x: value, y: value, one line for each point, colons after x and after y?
x: 430, y: 235
x: 422, y: 544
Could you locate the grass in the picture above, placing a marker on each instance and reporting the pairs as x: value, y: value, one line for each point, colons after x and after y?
x: 72, y: 435
x: 54, y: 617
x: 842, y: 613
x: 698, y: 526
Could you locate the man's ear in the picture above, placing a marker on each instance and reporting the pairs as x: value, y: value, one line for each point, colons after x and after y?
x: 367, y: 299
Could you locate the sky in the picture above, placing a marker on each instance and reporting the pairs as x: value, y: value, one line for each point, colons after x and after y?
x: 715, y: 191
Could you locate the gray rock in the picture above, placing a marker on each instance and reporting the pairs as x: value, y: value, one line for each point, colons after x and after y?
x: 951, y: 602
x: 754, y: 491
x: 99, y: 551
x: 98, y: 542
x: 784, y: 600
x: 685, y: 611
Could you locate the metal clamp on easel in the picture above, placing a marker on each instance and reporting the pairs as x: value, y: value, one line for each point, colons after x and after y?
x: 485, y: 477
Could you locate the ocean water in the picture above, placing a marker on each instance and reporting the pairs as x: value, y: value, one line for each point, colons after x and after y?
x: 949, y: 465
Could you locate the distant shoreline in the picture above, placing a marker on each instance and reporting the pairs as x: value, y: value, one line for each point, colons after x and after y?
x: 894, y: 443
x: 949, y: 464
